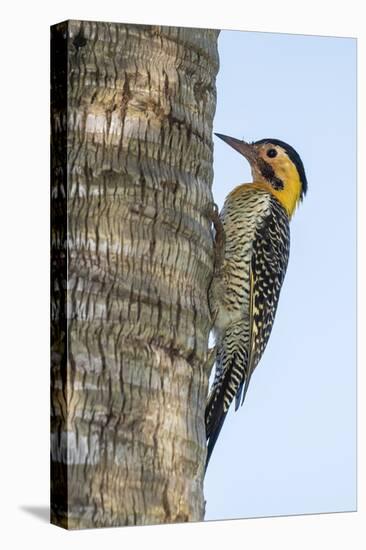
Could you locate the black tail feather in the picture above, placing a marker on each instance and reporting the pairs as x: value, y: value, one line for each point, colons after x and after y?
x: 215, y: 414
x: 231, y: 379
x: 213, y: 438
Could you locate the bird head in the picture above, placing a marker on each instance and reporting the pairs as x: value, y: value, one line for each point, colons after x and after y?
x: 275, y: 164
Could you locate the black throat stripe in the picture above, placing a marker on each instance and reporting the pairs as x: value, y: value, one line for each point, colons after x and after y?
x: 268, y: 173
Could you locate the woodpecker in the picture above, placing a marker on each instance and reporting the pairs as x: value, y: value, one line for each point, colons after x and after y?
x: 246, y: 287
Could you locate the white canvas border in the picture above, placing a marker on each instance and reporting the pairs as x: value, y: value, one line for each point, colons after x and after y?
x: 24, y: 233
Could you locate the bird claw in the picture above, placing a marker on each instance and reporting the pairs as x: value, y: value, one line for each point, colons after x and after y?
x: 219, y: 243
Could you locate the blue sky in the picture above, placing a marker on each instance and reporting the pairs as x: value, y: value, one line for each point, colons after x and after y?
x: 291, y: 448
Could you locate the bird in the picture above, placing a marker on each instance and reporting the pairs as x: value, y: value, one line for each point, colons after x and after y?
x: 246, y: 286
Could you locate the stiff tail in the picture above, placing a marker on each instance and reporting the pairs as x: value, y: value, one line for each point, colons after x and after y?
x: 215, y: 414
x: 213, y: 438
x: 232, y: 381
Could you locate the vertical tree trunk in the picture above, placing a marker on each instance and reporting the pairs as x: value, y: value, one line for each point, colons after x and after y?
x: 128, y: 377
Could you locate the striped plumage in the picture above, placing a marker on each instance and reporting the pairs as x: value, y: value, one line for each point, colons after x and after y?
x: 244, y: 293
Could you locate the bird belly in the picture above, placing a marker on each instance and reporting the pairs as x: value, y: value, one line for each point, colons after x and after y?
x: 230, y: 294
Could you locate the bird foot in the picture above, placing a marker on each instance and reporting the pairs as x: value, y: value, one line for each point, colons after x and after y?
x: 219, y: 243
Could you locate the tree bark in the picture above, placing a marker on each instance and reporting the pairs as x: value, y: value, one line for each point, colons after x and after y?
x: 132, y: 256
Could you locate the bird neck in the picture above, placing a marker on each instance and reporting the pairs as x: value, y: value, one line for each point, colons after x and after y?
x: 289, y: 196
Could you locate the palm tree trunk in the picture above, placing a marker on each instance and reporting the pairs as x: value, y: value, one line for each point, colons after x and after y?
x: 132, y: 106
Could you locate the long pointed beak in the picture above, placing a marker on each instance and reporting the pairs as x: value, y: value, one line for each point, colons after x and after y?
x: 244, y: 148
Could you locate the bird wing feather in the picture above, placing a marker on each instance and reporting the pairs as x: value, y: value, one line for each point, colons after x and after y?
x: 267, y: 271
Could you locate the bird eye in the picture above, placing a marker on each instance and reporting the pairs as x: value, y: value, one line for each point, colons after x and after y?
x: 271, y: 153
